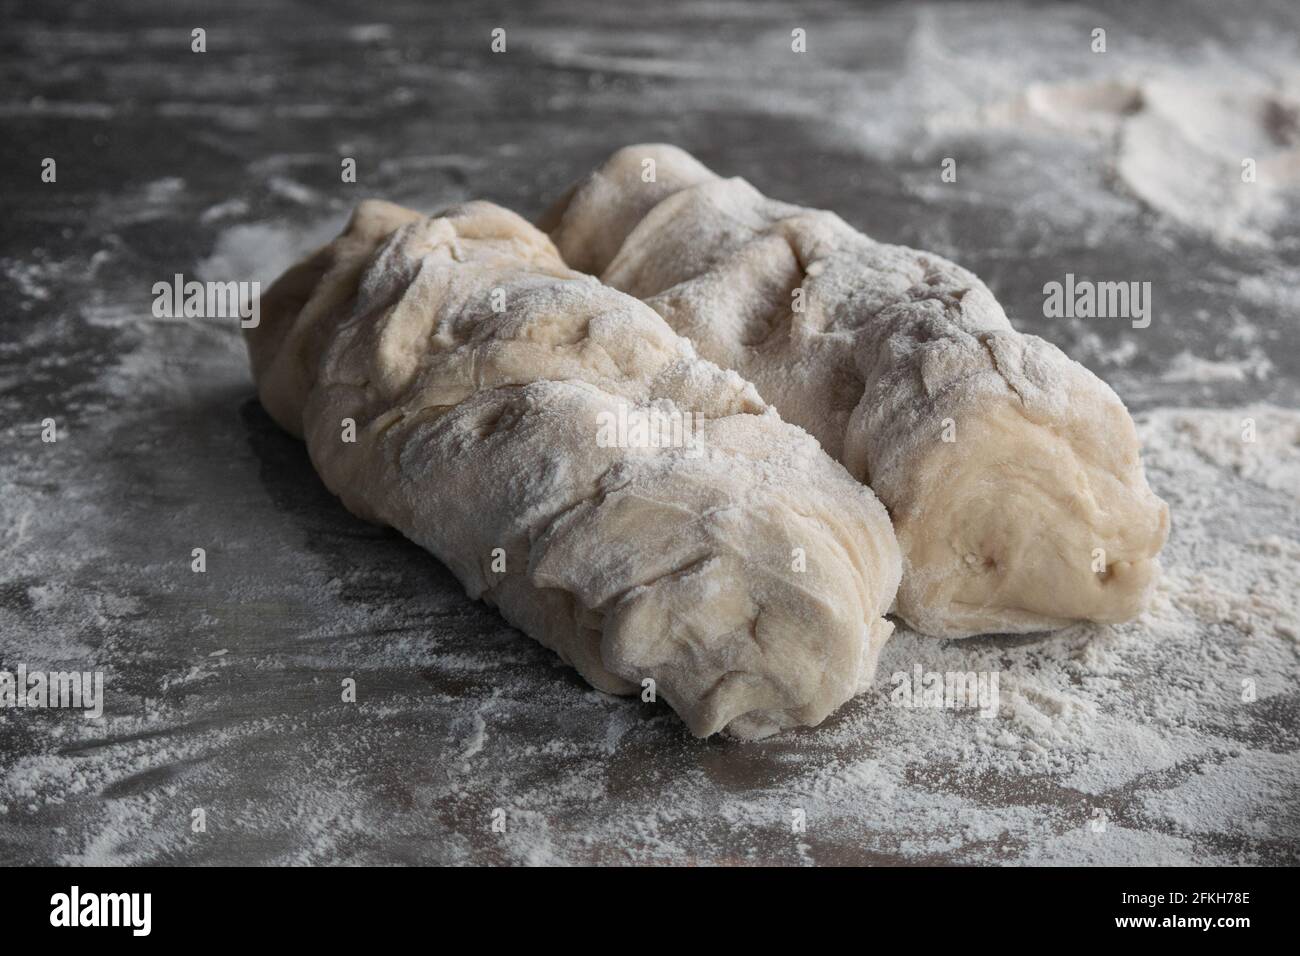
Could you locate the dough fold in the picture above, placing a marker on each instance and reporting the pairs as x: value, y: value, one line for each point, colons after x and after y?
x: 1012, y: 474
x: 479, y: 371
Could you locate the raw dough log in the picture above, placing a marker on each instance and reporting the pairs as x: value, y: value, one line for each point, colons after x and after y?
x: 478, y: 429
x: 1034, y: 512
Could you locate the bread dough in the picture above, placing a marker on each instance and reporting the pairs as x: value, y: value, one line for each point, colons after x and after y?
x: 477, y: 430
x: 1012, y: 473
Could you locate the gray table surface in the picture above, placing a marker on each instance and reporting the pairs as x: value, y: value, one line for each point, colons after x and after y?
x: 223, y: 687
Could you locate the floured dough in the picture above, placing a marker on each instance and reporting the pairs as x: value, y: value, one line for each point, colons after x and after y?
x: 1035, y: 511
x: 477, y: 429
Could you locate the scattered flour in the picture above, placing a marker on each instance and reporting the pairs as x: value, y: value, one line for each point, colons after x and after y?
x: 1122, y: 745
x: 1186, y: 367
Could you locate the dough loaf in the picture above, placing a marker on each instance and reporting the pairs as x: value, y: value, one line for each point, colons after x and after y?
x: 1012, y: 473
x: 477, y: 429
